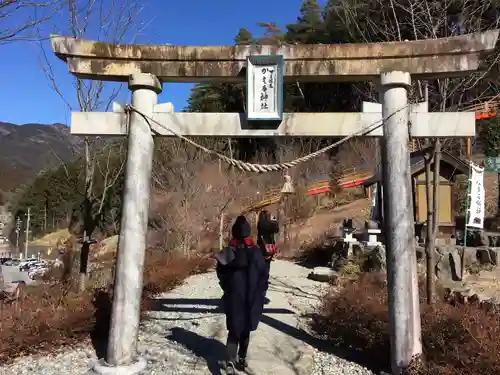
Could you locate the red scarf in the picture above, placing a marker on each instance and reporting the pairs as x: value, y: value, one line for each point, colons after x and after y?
x: 248, y: 241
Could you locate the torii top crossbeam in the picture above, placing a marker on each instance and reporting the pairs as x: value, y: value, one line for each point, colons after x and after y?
x: 423, y: 59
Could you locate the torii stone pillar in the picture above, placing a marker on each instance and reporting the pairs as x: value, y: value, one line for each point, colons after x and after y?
x: 404, y: 312
x: 122, y: 343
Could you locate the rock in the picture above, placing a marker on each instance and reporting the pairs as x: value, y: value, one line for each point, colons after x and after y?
x: 357, y: 249
x: 492, y: 305
x: 378, y: 259
x: 420, y: 251
x: 460, y: 295
x: 479, y: 298
x: 487, y: 255
x: 481, y: 238
x: 370, y: 224
x: 323, y: 274
x: 448, y: 263
x: 470, y: 255
x: 339, y: 263
x: 465, y: 296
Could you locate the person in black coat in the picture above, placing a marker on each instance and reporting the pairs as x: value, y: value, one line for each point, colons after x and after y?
x: 243, y: 276
x: 267, y: 228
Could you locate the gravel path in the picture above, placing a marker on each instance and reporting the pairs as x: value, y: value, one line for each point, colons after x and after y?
x: 186, y: 334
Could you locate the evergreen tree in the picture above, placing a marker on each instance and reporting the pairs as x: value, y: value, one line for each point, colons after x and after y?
x: 489, y: 136
x: 56, y: 193
x: 309, y: 27
x: 244, y: 37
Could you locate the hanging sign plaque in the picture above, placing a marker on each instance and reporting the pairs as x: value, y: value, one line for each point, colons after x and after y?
x: 265, y: 87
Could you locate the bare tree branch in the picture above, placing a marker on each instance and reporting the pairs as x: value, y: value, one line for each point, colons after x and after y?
x: 20, y: 18
x: 110, y: 20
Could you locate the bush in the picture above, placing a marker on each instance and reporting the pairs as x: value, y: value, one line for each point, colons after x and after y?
x: 457, y: 340
x: 47, y: 316
x: 50, y: 316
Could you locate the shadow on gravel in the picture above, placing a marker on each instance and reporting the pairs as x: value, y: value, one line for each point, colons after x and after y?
x: 346, y: 353
x: 197, y: 306
x: 279, y: 286
x: 179, y: 305
x: 102, y: 316
x: 210, y: 349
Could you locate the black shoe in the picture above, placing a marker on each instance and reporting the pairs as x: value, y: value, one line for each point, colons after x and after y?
x: 242, y: 364
x: 230, y: 369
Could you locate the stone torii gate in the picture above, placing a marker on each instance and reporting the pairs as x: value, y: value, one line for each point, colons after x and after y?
x: 391, y: 65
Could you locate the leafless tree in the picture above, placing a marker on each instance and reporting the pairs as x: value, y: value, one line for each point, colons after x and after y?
x: 399, y: 20
x: 190, y: 193
x: 19, y: 19
x: 112, y: 21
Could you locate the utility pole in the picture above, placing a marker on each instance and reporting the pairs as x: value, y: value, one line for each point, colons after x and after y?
x: 402, y: 283
x: 27, y: 233
x: 18, y: 231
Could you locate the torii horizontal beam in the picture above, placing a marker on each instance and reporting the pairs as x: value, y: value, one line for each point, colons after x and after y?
x: 439, y: 124
x: 423, y: 59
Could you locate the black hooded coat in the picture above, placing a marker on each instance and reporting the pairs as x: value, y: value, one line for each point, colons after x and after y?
x: 244, y: 277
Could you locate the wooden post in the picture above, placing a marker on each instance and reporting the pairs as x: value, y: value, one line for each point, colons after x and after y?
x: 468, y: 148
x: 435, y: 217
x: 221, y: 231
x: 402, y: 283
x: 429, y: 246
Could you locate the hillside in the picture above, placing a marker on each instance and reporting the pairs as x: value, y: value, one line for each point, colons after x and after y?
x: 26, y: 149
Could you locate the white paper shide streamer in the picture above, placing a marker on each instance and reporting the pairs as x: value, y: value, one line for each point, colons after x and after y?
x: 476, y: 198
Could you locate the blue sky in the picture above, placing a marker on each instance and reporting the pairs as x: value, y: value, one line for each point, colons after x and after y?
x: 27, y: 97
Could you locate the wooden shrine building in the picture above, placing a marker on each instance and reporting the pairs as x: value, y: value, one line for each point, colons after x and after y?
x: 450, y: 168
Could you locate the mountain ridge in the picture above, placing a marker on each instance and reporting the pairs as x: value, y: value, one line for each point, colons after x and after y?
x: 28, y: 148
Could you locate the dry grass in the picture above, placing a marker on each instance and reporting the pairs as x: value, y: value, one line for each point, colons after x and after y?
x: 491, y: 194
x: 457, y: 340
x: 53, y: 239
x: 51, y: 316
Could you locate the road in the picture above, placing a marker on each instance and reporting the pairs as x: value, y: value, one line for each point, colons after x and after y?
x: 11, y: 274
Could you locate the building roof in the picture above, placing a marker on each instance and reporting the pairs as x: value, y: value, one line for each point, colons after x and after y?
x: 417, y: 164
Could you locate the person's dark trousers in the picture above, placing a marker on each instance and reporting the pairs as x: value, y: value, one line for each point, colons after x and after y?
x: 237, y: 347
x: 268, y: 264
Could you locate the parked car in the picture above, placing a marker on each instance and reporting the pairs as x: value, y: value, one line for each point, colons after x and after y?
x: 4, y: 260
x: 25, y: 264
x: 38, y: 271
x: 37, y: 265
x: 13, y: 262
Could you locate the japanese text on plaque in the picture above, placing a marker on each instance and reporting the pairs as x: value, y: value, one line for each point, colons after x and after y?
x: 267, y: 88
